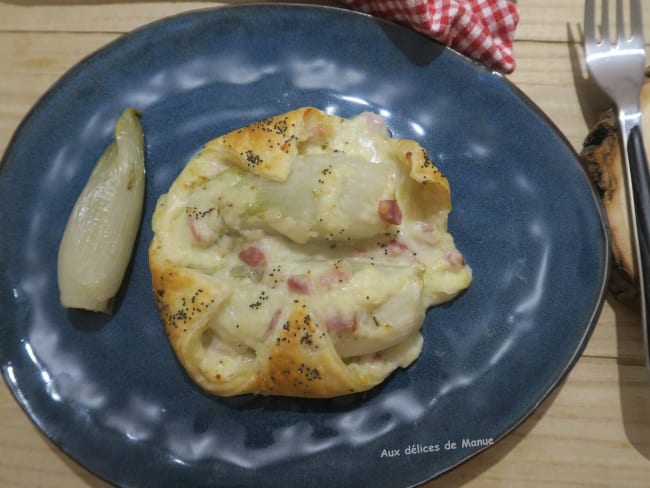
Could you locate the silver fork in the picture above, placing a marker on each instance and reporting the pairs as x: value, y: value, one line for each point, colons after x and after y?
x: 618, y: 69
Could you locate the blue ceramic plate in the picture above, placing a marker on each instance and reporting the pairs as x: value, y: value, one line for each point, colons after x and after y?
x: 109, y: 391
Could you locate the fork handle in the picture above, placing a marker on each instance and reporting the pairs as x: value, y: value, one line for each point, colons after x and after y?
x: 641, y: 190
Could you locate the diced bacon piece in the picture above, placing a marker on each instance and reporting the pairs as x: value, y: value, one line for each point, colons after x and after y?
x: 396, y: 248
x: 299, y: 284
x: 427, y: 234
x: 201, y: 232
x: 253, y: 256
x: 390, y: 212
x: 316, y: 132
x: 375, y: 123
x: 274, y: 322
x: 455, y: 259
x: 340, y: 322
x: 193, y: 224
x: 363, y: 253
x: 425, y: 227
x: 334, y: 277
x: 391, y: 249
x: 203, y: 224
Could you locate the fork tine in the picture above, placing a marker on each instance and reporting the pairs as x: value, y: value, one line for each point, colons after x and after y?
x: 636, y: 21
x: 620, y: 22
x: 589, y: 23
x: 604, y: 23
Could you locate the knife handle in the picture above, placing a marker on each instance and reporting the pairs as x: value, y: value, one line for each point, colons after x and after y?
x: 640, y: 175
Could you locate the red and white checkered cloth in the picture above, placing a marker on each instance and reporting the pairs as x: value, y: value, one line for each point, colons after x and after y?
x: 481, y: 29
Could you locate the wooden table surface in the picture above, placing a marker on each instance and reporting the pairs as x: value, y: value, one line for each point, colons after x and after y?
x: 593, y: 430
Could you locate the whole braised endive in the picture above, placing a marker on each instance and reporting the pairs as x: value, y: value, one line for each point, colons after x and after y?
x: 98, y: 240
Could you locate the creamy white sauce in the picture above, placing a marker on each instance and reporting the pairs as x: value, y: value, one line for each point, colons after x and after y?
x: 366, y: 281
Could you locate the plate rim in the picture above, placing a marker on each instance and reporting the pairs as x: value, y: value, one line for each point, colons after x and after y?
x: 600, y: 292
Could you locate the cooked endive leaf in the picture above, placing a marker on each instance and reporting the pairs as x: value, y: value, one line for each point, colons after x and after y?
x: 98, y: 240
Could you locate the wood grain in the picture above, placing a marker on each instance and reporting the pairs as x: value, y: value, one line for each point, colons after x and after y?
x: 594, y: 430
x: 540, y: 21
x: 579, y: 436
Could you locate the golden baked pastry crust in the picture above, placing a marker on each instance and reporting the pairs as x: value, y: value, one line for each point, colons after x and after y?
x: 266, y: 147
x: 292, y: 350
